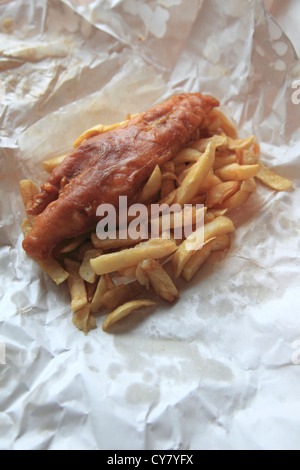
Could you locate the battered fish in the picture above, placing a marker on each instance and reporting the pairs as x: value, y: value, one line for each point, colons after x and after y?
x: 117, y: 163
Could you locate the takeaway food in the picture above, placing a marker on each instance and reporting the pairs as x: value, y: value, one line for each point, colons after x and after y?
x: 181, y: 152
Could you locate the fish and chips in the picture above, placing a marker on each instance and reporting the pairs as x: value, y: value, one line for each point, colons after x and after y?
x: 183, y: 153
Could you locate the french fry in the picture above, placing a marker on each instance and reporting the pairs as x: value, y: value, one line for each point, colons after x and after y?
x: 159, y: 279
x: 83, y: 320
x: 129, y: 273
x: 241, y: 144
x: 28, y: 191
x: 218, y: 212
x: 26, y: 227
x: 199, y: 199
x: 168, y: 179
x: 213, y: 125
x: 169, y: 176
x: 169, y: 199
x: 235, y: 201
x: 225, y: 124
x: 152, y: 187
x: 249, y: 157
x: 239, y: 156
x: 196, y: 262
x: 124, y: 311
x: 111, y: 244
x: 191, y: 184
x: 77, y: 287
x: 167, y: 186
x: 218, y: 226
x: 188, y: 155
x: 142, y: 277
x: 99, y: 129
x: 219, y: 193
x: 249, y: 185
x: 156, y: 248
x: 198, y: 239
x: 199, y: 258
x: 220, y: 162
x: 273, y: 181
x: 256, y: 149
x: 193, y: 243
x: 117, y: 296
x: 209, y: 217
x: 167, y: 167
x: 50, y: 265
x: 210, y: 181
x: 102, y: 287
x: 236, y: 172
x: 179, y: 219
x: 52, y: 163
x: 71, y: 245
x: 184, y: 173
x: 201, y: 145
x: 54, y: 270
x: 210, y: 122
x: 86, y: 271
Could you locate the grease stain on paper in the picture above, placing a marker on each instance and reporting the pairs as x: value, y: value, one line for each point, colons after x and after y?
x: 169, y: 3
x: 238, y: 8
x: 280, y: 66
x: 280, y: 48
x: 212, y: 50
x: 8, y: 24
x: 175, y: 361
x: 140, y: 393
x: 274, y: 31
x: 114, y: 370
x: 155, y: 20
x: 37, y: 52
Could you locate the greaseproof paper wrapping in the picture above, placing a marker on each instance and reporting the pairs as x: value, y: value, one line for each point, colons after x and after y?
x: 218, y: 370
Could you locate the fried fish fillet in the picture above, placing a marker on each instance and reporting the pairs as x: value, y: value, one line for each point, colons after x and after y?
x: 117, y: 163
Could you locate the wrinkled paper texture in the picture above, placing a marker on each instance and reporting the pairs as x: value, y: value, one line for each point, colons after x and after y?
x: 218, y: 370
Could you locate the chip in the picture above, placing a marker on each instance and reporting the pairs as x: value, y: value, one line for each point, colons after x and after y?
x: 83, y: 320
x: 125, y: 310
x: 152, y: 187
x: 117, y: 296
x: 273, y: 180
x: 201, y: 256
x: 191, y: 185
x: 52, y: 163
x: 158, y: 279
x: 54, y: 270
x: 78, y: 292
x: 112, y: 262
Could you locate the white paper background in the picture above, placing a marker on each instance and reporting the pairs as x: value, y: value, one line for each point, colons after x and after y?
x: 217, y: 370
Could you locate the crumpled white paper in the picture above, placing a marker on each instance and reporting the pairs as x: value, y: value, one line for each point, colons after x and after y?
x: 219, y: 370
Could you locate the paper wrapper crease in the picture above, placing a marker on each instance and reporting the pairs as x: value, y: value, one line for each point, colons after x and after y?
x: 218, y: 370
